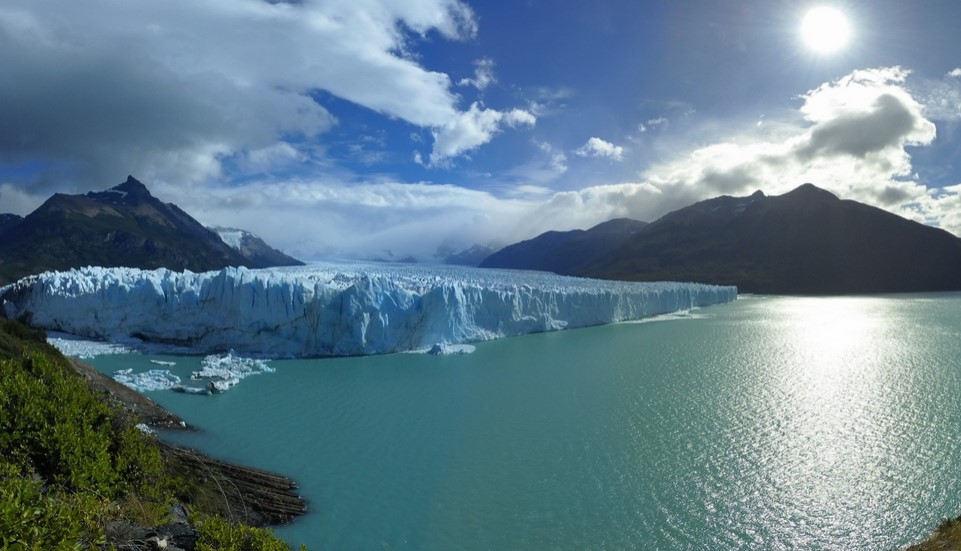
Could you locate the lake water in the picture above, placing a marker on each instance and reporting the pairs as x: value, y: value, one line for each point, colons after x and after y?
x: 769, y: 423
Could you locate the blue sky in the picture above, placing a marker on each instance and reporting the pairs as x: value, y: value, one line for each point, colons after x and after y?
x: 391, y: 128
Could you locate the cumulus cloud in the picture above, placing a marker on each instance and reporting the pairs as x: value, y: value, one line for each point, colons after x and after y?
x: 852, y: 139
x: 955, y: 72
x: 865, y: 113
x: 473, y: 128
x: 170, y: 90
x: 596, y: 147
x: 854, y: 143
x: 852, y: 136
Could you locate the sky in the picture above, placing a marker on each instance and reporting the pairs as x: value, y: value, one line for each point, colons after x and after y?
x: 417, y: 128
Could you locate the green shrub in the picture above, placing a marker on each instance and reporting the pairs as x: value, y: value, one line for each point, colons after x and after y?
x: 70, y: 464
x: 52, y: 424
x: 219, y: 534
x: 32, y: 518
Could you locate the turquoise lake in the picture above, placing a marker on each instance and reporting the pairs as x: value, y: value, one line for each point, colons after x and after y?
x: 769, y: 423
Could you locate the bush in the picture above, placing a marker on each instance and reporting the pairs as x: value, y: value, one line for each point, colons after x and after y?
x: 31, y: 518
x: 70, y: 464
x: 219, y: 534
x: 53, y: 425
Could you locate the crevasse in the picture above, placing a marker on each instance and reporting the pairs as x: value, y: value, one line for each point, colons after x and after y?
x: 334, y: 309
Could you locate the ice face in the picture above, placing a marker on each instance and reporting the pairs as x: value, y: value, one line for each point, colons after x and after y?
x: 334, y: 309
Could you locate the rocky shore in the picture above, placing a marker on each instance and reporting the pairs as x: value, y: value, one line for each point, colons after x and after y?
x: 146, y: 410
x: 241, y: 494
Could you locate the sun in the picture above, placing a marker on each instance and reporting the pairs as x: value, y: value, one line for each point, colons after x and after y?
x: 825, y: 30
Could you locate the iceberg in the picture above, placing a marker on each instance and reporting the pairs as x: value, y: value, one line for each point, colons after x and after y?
x: 333, y: 309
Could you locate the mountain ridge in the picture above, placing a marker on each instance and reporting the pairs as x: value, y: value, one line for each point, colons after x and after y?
x: 565, y: 252
x: 122, y: 226
x: 806, y: 241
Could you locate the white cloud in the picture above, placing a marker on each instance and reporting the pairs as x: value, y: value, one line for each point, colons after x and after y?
x: 528, y: 190
x: 941, y: 98
x: 596, y: 147
x: 540, y: 169
x: 854, y: 142
x: 852, y: 139
x: 955, y: 72
x: 351, y: 220
x: 17, y: 201
x: 267, y: 158
x: 169, y: 90
x: 473, y: 128
x: 483, y: 75
x: 852, y: 136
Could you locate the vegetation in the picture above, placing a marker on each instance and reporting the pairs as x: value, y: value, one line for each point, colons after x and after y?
x: 946, y: 537
x: 73, y: 468
x: 218, y: 534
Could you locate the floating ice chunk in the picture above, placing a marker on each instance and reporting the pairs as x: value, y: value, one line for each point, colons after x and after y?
x: 223, y: 371
x: 692, y: 314
x: 154, y: 379
x: 445, y: 349
x: 79, y: 347
x: 229, y: 366
x: 217, y: 386
x: 162, y: 362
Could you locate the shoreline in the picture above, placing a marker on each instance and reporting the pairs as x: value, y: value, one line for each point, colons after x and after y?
x: 240, y: 493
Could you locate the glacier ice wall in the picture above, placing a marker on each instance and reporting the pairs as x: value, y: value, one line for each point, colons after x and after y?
x: 333, y: 309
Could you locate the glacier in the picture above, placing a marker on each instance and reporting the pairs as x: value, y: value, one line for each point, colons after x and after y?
x: 333, y: 309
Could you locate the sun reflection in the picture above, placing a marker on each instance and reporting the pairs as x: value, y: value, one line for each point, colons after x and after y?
x: 833, y: 327
x: 830, y: 384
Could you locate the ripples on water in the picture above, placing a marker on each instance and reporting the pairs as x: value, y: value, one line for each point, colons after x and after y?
x: 772, y: 423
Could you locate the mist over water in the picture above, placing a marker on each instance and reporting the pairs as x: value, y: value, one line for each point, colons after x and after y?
x: 773, y: 422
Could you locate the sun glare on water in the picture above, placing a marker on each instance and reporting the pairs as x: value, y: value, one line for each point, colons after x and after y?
x: 825, y: 30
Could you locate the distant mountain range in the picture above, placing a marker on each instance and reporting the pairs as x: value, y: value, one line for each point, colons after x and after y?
x: 468, y: 257
x: 122, y: 226
x: 566, y: 252
x: 807, y: 241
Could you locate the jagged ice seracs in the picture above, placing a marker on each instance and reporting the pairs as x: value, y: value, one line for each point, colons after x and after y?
x: 333, y: 309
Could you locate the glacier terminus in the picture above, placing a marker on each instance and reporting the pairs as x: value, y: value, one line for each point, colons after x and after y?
x: 333, y: 309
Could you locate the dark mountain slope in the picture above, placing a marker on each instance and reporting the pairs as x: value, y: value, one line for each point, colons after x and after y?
x: 807, y: 242
x: 8, y: 221
x: 568, y: 252
x: 254, y: 249
x: 122, y: 226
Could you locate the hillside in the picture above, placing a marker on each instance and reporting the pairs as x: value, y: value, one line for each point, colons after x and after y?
x: 77, y: 472
x: 568, y: 252
x: 122, y: 226
x: 807, y: 241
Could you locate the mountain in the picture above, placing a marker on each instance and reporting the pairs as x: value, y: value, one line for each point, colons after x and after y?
x: 468, y: 257
x: 8, y: 221
x: 567, y: 252
x: 122, y: 226
x: 254, y: 249
x: 807, y: 241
